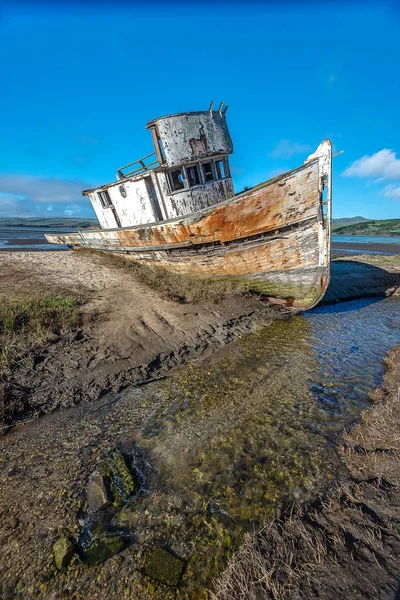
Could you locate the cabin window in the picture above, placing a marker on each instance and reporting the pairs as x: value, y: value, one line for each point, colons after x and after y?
x: 176, y: 180
x: 193, y: 175
x: 220, y: 168
x: 104, y: 198
x: 208, y: 171
x: 122, y: 190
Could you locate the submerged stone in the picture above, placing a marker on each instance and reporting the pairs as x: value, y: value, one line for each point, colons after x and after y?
x: 165, y: 567
x: 63, y: 551
x: 122, y: 484
x: 101, y: 549
x: 98, y: 493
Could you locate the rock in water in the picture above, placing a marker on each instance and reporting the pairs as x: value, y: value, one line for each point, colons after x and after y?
x: 98, y: 493
x: 122, y: 484
x: 63, y: 551
x: 101, y: 549
x: 165, y: 567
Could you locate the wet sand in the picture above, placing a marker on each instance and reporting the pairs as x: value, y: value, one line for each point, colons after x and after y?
x: 27, y: 242
x: 369, y: 247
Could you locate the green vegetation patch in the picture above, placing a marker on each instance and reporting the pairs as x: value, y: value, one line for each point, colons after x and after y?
x: 121, y: 481
x: 178, y: 287
x: 387, y: 227
x: 165, y: 567
x: 28, y: 323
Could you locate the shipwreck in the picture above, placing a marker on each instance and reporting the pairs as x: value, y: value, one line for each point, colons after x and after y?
x: 177, y: 208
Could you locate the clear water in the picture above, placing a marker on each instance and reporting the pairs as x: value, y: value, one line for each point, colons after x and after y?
x: 255, y: 425
x: 29, y: 238
x: 225, y: 440
x: 365, y: 239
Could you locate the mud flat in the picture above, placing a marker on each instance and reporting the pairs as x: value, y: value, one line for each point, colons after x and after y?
x: 227, y: 440
x: 345, y: 545
x: 131, y: 332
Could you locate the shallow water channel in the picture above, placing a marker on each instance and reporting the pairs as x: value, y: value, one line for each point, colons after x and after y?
x: 219, y: 444
x: 254, y: 425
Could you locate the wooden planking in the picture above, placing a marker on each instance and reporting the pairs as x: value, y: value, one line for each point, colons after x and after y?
x: 271, y: 206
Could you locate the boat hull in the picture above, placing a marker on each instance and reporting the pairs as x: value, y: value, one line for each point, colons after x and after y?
x: 276, y: 237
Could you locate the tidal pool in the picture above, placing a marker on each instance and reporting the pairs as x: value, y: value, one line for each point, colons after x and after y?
x: 251, y: 427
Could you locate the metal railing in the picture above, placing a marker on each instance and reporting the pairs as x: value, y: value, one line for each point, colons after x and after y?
x: 141, y: 169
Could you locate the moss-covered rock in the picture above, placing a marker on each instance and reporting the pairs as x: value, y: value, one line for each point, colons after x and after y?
x: 120, y: 479
x: 101, y: 549
x: 165, y: 567
x: 63, y: 551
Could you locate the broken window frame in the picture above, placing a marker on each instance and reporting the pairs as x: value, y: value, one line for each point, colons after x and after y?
x: 213, y: 172
x: 188, y: 168
x: 158, y: 145
x: 172, y: 184
x: 218, y: 168
x: 199, y: 166
x: 104, y: 198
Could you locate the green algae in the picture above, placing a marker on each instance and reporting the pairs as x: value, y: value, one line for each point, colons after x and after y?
x: 120, y: 479
x: 165, y: 567
x: 101, y: 549
x: 233, y: 440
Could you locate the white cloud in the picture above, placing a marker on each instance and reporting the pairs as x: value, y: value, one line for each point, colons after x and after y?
x: 392, y: 191
x: 383, y: 164
x: 26, y: 196
x: 287, y: 149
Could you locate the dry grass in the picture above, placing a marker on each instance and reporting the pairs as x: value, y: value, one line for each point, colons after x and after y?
x: 267, y: 566
x: 391, y: 263
x: 177, y: 287
x: 27, y: 323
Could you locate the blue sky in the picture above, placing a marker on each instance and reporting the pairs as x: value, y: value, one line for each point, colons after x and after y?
x: 79, y: 83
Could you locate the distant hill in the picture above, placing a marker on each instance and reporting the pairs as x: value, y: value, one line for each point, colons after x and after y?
x: 344, y: 221
x: 54, y: 223
x: 387, y: 227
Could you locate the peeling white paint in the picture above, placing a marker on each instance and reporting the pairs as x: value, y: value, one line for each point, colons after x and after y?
x: 186, y: 139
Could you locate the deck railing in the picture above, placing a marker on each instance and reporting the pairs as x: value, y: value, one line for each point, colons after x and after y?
x: 143, y: 166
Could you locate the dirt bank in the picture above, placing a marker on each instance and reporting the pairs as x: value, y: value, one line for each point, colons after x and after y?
x: 129, y: 331
x: 346, y: 545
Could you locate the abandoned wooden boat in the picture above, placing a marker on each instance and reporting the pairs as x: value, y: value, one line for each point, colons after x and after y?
x: 176, y: 208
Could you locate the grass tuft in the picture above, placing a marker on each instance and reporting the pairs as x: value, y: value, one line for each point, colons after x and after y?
x: 175, y: 286
x: 27, y: 323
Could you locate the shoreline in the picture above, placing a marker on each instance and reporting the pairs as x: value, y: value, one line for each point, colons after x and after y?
x: 368, y: 246
x: 345, y: 545
x: 131, y: 333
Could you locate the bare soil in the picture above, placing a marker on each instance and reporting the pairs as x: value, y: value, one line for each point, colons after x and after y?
x: 130, y: 332
x: 133, y: 332
x: 346, y: 545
